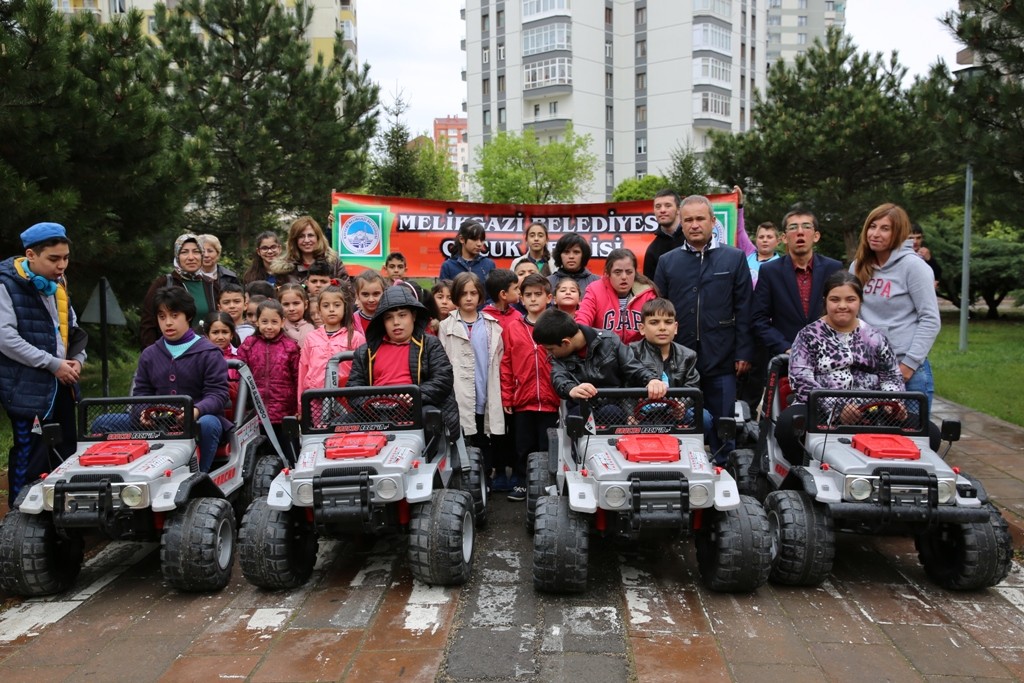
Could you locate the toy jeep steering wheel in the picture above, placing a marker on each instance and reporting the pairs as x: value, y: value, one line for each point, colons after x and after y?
x: 388, y: 408
x: 162, y: 417
x: 875, y: 410
x: 661, y: 408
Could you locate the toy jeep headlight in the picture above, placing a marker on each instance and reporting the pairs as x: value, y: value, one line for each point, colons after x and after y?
x: 615, y: 496
x: 699, y: 495
x: 947, y: 490
x: 304, y: 493
x: 386, y: 489
x: 860, y: 488
x: 133, y: 496
x: 48, y: 497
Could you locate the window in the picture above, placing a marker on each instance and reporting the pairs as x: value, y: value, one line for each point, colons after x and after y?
x: 801, y: 4
x: 536, y: 111
x: 712, y: 37
x: 546, y: 38
x: 830, y: 6
x: 801, y: 39
x: 775, y: 3
x: 499, y: 18
x: 609, y: 81
x: 774, y: 37
x: 553, y: 107
x: 640, y: 175
x: 485, y: 22
x: 641, y: 49
x: 485, y: 55
x: 609, y: 113
x: 713, y: 104
x: 485, y: 87
x: 711, y: 70
x: 722, y: 8
x: 531, y: 7
x: 608, y: 49
x: 501, y: 52
x: 609, y: 178
x: 641, y: 16
x: 609, y: 146
x: 641, y: 113
x: 608, y: 15
x: 641, y: 145
x: 548, y: 72
x: 641, y: 81
x: 775, y: 20
x: 501, y: 83
x: 501, y: 115
x: 801, y: 20
x: 487, y: 118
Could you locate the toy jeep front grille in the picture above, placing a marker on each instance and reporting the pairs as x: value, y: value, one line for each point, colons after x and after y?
x: 87, y: 478
x: 348, y: 471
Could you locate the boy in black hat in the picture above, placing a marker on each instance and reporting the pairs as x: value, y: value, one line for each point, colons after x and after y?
x: 41, y: 351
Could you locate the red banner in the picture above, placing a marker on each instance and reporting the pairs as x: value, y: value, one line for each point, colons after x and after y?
x: 366, y: 228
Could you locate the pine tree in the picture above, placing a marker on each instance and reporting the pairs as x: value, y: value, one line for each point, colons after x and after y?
x: 280, y: 133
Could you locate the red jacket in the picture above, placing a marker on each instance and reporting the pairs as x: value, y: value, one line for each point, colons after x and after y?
x: 503, y: 317
x: 525, y: 371
x: 600, y: 309
x: 275, y: 367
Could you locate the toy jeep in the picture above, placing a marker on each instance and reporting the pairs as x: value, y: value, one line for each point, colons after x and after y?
x: 865, y: 462
x: 635, y: 468
x: 372, y: 460
x: 135, y: 476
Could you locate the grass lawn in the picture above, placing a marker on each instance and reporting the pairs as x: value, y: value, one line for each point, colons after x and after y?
x: 988, y: 376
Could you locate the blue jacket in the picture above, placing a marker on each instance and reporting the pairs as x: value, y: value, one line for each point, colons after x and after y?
x: 711, y: 293
x: 778, y: 314
x: 27, y: 391
x: 481, y: 266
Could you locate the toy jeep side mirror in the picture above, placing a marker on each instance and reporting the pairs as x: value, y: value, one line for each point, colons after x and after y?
x: 53, y: 435
x: 950, y: 430
x: 290, y: 427
x: 726, y: 428
x: 575, y: 426
x: 433, y: 421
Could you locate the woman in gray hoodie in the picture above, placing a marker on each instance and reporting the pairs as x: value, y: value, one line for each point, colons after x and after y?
x: 899, y: 293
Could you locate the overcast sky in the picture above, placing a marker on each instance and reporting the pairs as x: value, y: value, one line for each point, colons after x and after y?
x: 412, y: 46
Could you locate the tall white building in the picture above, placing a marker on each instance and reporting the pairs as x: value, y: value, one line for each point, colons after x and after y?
x: 793, y: 25
x: 641, y: 77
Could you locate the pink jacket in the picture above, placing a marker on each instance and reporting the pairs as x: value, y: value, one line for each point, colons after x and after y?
x: 275, y: 367
x: 600, y: 309
x: 318, y: 350
x: 298, y: 331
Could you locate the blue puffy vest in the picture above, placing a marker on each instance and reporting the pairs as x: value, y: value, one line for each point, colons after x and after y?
x: 27, y: 391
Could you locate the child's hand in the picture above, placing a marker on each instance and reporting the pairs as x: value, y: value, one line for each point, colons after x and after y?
x: 656, y: 389
x: 585, y: 390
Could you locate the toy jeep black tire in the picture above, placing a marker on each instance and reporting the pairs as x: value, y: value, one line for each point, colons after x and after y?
x: 197, y: 548
x: 276, y: 548
x: 538, y: 479
x: 441, y: 538
x: 739, y: 467
x: 471, y: 480
x: 561, y: 547
x: 803, y: 538
x: 34, y: 558
x: 733, y: 548
x: 967, y: 556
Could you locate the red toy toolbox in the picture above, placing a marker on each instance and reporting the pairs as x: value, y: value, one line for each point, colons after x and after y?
x: 886, y: 446
x: 649, y: 448
x: 363, y: 445
x: 113, y: 453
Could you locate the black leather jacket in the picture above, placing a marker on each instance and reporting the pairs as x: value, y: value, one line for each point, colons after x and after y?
x: 681, y: 366
x: 609, y: 363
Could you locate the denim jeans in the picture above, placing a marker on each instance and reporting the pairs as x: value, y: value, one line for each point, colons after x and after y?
x: 210, y: 432
x: 923, y: 381
x: 720, y: 401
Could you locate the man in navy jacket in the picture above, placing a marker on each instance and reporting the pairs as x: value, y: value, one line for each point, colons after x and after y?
x: 709, y: 285
x: 789, y: 291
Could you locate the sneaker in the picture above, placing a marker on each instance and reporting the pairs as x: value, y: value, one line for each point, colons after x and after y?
x: 501, y: 483
x: 517, y: 494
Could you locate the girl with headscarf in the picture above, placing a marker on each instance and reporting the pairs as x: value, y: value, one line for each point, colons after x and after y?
x: 186, y: 272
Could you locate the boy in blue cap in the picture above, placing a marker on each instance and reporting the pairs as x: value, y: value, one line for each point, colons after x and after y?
x: 42, y: 351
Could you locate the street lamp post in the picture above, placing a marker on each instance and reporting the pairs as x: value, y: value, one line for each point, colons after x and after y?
x: 965, y: 284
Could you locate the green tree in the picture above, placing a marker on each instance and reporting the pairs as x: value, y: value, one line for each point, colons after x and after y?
x: 280, y: 132
x: 518, y: 169
x: 84, y: 140
x: 838, y: 131
x: 403, y: 167
x: 633, y: 189
x: 984, y: 114
x: 687, y: 175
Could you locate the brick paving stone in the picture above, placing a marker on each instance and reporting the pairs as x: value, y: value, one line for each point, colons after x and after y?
x: 413, y: 665
x: 755, y: 629
x: 963, y: 679
x: 575, y: 628
x: 943, y: 650
x: 852, y: 663
x: 823, y: 615
x: 321, y: 608
x: 133, y: 659
x: 591, y: 668
x: 193, y: 668
x: 38, y: 674
x: 894, y: 603
x: 989, y: 620
x: 673, y: 658
x: 77, y: 641
x: 775, y: 673
x: 307, y: 655
x: 1012, y: 658
x: 412, y: 616
x: 229, y: 634
x: 475, y: 653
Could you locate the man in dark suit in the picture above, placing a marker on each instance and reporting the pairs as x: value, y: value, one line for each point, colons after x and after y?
x: 789, y: 291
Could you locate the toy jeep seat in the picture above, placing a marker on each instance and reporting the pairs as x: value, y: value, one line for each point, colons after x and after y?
x: 649, y: 448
